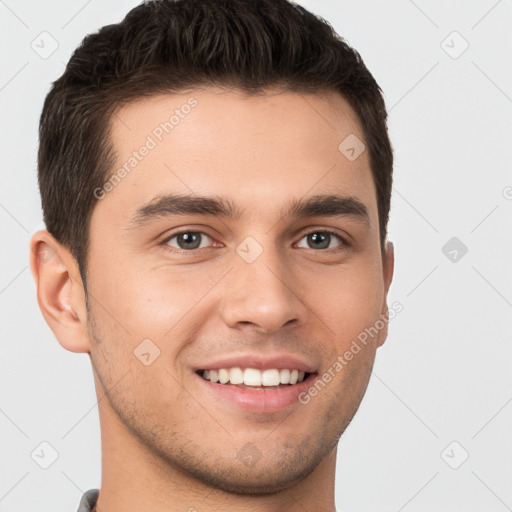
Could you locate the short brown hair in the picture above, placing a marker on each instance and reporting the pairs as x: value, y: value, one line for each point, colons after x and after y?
x: 173, y: 45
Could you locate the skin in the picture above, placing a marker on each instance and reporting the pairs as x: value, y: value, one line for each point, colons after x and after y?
x: 165, y: 445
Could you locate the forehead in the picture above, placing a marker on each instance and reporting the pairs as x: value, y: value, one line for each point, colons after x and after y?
x: 214, y: 113
x: 252, y: 150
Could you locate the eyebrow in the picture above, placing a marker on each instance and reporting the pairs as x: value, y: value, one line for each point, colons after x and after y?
x: 315, y: 206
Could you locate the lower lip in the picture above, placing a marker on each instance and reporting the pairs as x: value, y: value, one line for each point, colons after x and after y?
x: 257, y: 400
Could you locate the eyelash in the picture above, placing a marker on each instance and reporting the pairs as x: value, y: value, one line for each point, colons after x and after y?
x: 344, y: 243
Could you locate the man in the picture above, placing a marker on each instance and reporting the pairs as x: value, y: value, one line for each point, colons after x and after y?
x: 215, y: 180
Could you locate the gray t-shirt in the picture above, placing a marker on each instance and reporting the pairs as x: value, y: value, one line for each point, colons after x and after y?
x: 88, y: 500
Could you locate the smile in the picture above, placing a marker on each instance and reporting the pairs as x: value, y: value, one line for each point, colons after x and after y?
x: 253, y: 377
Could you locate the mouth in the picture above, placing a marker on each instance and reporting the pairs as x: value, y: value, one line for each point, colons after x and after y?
x: 255, y: 379
x: 255, y: 382
x: 259, y: 391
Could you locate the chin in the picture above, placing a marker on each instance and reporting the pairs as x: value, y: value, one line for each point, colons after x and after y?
x: 247, y: 481
x: 266, y: 474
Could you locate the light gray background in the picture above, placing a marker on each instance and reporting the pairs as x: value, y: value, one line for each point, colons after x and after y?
x: 444, y: 373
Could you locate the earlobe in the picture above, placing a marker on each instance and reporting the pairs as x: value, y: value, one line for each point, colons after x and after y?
x: 60, y: 291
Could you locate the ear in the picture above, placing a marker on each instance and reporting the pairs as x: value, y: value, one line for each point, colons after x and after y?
x: 388, y: 266
x: 60, y: 292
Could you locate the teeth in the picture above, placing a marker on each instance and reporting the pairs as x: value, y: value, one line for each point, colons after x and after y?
x: 285, y: 376
x: 223, y: 376
x: 270, y: 378
x: 254, y: 377
x: 236, y: 376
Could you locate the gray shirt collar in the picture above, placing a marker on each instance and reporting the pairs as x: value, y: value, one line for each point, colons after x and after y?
x: 88, y: 500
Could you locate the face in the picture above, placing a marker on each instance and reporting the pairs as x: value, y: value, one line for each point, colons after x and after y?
x: 271, y: 276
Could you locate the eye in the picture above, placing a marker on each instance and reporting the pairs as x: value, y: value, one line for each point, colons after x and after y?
x: 188, y: 240
x: 193, y: 240
x: 322, y: 240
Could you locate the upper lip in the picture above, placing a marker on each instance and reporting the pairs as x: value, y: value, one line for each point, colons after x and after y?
x: 260, y: 362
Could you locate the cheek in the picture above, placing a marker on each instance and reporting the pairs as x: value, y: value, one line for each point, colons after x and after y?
x: 155, y: 311
x: 149, y: 301
x: 348, y: 299
x: 135, y: 370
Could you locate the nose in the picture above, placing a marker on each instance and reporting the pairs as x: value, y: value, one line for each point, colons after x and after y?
x: 262, y: 294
